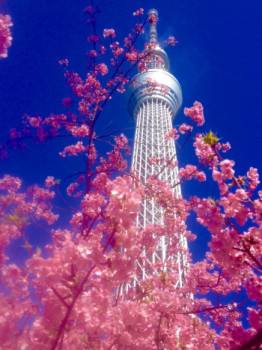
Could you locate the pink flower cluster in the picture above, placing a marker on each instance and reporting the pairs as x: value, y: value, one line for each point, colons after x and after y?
x: 14, y: 134
x: 93, y: 38
x: 152, y: 18
x: 191, y: 171
x: 67, y: 102
x: 226, y: 173
x: 81, y: 131
x: 139, y: 12
x: 5, y: 35
x: 90, y: 9
x: 109, y: 33
x: 171, y: 41
x: 253, y: 177
x: 116, y: 49
x: 196, y: 113
x: 102, y: 69
x: 173, y: 134
x: 204, y: 151
x: 73, y: 150
x: 184, y: 128
x: 63, y: 62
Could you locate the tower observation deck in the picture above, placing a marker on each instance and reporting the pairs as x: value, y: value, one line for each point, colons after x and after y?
x: 153, y: 111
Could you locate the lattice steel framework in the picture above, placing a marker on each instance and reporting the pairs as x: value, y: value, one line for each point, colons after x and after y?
x: 153, y: 112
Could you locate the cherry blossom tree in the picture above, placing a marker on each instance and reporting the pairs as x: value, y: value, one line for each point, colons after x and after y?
x: 68, y: 295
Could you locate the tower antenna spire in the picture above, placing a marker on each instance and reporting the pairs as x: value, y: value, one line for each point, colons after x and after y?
x: 152, y: 18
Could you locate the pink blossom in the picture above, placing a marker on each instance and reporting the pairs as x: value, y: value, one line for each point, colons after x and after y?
x: 72, y: 190
x: 101, y: 181
x: 35, y: 122
x: 196, y: 113
x: 92, y: 204
x: 3, y: 153
x: 138, y: 12
x: 152, y: 18
x: 102, y: 69
x: 93, y: 38
x: 67, y: 102
x: 93, y: 53
x: 63, y: 62
x: 172, y: 134
x: 225, y: 147
x: 253, y: 176
x: 121, y: 141
x: 255, y: 318
x: 184, y: 128
x: 139, y: 29
x: 5, y: 35
x: 10, y: 183
x: 90, y: 9
x: 73, y: 150
x: 226, y: 169
x: 132, y: 56
x: 82, y: 131
x: 116, y: 49
x: 14, y: 134
x: 109, y: 33
x: 204, y: 151
x: 50, y: 181
x: 191, y: 171
x: 102, y: 49
x: 171, y: 41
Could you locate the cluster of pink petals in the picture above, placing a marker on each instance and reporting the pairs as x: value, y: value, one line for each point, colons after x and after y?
x: 35, y: 122
x: 132, y: 56
x: 92, y: 204
x: 116, y: 49
x: 93, y: 38
x: 226, y: 173
x: 50, y: 181
x: 67, y: 102
x: 109, y: 33
x: 72, y: 190
x: 139, y: 29
x: 152, y: 18
x: 191, y: 171
x: 171, y: 41
x: 5, y: 34
x: 14, y: 134
x: 172, y: 134
x: 204, y: 151
x: 81, y: 131
x: 184, y: 128
x: 73, y: 150
x: 102, y: 69
x: 253, y: 177
x: 121, y: 141
x: 90, y: 9
x: 196, y: 113
x: 139, y: 12
x: 64, y: 62
x: 10, y: 184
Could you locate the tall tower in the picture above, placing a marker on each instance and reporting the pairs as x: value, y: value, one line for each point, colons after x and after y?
x: 153, y: 110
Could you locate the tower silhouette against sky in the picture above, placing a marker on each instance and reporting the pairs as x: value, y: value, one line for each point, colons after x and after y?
x: 153, y: 110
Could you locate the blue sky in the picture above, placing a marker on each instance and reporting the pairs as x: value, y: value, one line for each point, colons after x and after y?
x: 217, y: 62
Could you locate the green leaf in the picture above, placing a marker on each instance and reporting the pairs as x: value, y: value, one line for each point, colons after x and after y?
x: 211, y: 138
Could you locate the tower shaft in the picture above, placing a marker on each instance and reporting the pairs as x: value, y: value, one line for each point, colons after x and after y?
x: 154, y: 153
x: 153, y: 124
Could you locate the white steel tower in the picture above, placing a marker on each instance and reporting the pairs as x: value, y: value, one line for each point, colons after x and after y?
x: 153, y: 110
